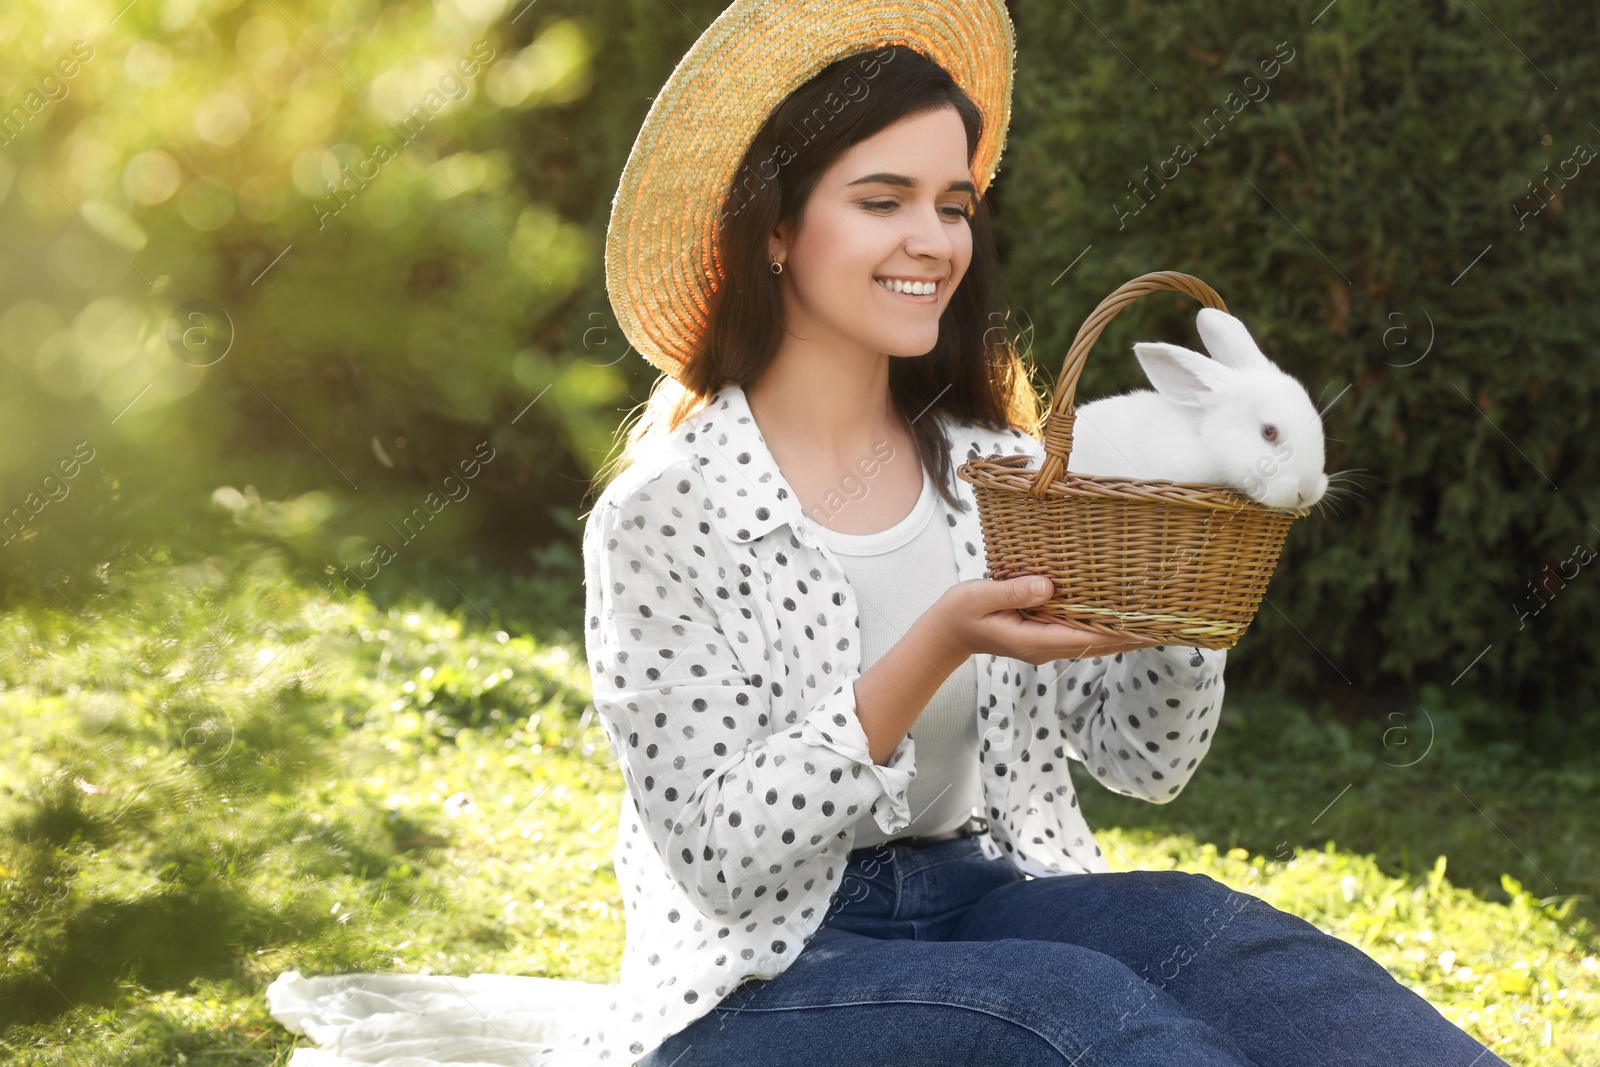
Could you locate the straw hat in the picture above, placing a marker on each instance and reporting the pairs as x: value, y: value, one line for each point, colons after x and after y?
x: 660, y: 270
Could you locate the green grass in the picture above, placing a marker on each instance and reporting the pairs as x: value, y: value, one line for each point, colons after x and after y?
x: 1278, y: 781
x: 213, y: 773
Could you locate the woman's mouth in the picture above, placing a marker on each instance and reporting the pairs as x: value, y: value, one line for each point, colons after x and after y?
x: 917, y: 291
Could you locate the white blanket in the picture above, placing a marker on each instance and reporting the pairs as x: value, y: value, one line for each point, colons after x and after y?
x: 414, y: 1020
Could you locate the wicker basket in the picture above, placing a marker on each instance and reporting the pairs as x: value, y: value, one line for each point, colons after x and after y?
x: 1182, y: 562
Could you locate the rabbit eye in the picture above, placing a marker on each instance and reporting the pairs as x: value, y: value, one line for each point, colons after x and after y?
x: 1269, y: 432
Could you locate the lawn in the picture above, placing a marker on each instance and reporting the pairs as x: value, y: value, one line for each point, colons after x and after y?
x: 214, y: 773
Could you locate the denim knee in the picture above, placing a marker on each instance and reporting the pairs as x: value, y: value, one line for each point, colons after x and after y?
x: 1195, y: 893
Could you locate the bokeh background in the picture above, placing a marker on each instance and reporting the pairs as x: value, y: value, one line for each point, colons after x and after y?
x: 307, y: 366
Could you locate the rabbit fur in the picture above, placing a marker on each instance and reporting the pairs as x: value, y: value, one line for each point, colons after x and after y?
x: 1234, y: 420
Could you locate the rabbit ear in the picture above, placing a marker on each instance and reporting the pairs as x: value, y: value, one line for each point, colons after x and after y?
x: 1228, y: 341
x: 1181, y: 375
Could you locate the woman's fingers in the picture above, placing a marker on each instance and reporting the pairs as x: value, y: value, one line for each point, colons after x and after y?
x: 1062, y: 640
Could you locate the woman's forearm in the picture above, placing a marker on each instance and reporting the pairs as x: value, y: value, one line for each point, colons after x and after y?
x: 897, y: 687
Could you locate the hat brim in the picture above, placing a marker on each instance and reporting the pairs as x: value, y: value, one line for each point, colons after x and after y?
x: 659, y: 261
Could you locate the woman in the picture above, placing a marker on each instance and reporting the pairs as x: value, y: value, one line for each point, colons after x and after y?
x: 848, y: 833
x: 786, y: 598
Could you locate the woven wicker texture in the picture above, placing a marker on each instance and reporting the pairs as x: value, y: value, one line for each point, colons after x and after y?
x: 660, y: 261
x: 1182, y: 562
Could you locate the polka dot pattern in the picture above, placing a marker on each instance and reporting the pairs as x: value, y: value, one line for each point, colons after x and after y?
x: 723, y: 643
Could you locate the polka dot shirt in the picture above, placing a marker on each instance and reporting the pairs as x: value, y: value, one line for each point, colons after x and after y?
x: 723, y: 642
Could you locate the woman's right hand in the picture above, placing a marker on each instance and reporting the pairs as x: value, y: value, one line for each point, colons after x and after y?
x: 981, y: 615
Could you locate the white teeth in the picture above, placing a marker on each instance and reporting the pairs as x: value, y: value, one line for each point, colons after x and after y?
x: 912, y: 288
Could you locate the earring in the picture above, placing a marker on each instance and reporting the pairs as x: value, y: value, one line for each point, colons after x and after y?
x: 776, y: 267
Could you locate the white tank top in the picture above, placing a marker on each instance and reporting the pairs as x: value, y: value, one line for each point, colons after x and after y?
x: 897, y: 574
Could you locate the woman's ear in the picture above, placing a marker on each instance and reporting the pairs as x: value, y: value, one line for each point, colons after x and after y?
x: 778, y: 243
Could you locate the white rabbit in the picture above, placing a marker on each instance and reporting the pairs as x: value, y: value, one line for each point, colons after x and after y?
x: 1235, y: 420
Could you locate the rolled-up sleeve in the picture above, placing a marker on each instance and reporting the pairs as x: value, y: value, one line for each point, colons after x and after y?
x: 731, y: 806
x: 834, y: 724
x: 1142, y: 721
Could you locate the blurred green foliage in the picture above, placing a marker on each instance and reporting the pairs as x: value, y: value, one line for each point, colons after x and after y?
x: 296, y: 254
x: 279, y: 272
x: 1360, y: 194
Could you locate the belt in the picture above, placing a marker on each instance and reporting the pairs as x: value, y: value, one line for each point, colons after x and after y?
x: 977, y: 824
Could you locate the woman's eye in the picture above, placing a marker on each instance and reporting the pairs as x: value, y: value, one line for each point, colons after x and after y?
x: 884, y: 205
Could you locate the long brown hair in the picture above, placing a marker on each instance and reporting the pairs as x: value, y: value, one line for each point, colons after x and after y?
x: 974, y: 370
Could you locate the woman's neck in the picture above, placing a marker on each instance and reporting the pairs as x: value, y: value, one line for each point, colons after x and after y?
x: 846, y: 452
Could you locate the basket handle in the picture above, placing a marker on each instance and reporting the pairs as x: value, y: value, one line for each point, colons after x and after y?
x: 1058, y: 423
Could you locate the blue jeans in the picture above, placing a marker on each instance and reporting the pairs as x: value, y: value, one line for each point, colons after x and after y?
x: 940, y: 956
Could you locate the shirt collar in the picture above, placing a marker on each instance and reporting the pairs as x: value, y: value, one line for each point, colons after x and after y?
x: 752, y: 497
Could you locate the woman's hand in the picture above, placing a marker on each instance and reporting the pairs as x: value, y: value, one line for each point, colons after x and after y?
x: 981, y: 615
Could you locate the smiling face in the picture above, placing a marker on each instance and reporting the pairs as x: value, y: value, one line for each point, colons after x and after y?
x: 883, y: 240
